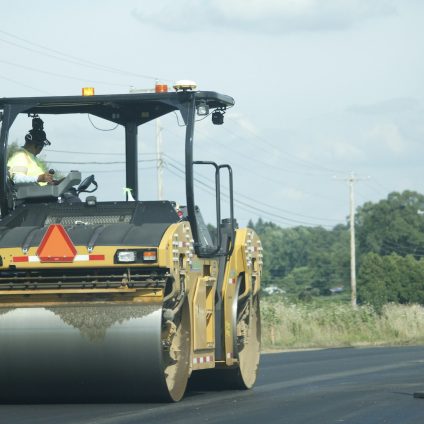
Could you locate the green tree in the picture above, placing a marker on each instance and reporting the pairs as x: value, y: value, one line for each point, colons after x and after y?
x: 390, y: 238
x: 393, y: 225
x: 298, y: 280
x: 302, y: 258
x: 390, y: 278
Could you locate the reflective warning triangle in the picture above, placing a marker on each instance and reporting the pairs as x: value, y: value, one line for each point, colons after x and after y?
x: 56, y: 245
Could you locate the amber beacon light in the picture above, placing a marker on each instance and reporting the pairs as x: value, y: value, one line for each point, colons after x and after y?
x: 161, y: 88
x: 88, y: 91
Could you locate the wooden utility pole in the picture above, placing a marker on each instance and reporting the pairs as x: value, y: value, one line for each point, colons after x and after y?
x: 351, y: 180
x: 159, y: 154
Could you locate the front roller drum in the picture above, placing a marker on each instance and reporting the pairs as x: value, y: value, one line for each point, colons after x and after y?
x: 86, y: 352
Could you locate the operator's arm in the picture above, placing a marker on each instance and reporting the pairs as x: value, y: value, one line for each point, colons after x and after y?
x: 22, y: 178
x: 56, y: 182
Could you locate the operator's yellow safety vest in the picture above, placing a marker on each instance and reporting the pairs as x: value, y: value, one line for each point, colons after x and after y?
x: 25, y: 163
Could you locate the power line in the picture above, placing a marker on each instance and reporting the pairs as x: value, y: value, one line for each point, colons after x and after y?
x: 390, y: 246
x: 94, y: 153
x: 247, y: 197
x: 211, y: 189
x: 42, y: 71
x: 380, y: 186
x: 251, y: 207
x: 257, y: 161
x: 71, y: 59
x: 264, y: 204
x: 97, y: 163
x: 267, y: 165
x: 373, y: 187
x: 294, y: 158
x: 109, y: 171
x: 24, y: 85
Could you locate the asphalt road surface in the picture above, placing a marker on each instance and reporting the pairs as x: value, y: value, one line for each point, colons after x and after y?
x: 361, y: 386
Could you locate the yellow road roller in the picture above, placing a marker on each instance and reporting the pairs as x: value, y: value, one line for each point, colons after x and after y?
x: 123, y: 300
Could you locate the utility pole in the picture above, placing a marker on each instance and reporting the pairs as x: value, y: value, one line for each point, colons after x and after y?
x: 159, y: 159
x: 159, y: 155
x: 351, y: 180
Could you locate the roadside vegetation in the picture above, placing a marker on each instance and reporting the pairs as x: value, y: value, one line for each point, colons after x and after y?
x: 335, y: 324
x: 306, y: 279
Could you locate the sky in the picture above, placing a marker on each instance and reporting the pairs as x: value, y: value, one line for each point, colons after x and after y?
x: 322, y: 89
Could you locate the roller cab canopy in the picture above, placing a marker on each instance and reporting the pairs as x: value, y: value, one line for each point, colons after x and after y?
x: 137, y: 108
x: 129, y: 110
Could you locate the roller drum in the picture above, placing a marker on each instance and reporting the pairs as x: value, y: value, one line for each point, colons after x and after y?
x: 106, y: 352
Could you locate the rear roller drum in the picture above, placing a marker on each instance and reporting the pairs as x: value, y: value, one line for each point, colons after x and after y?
x: 247, y: 345
x: 176, y: 354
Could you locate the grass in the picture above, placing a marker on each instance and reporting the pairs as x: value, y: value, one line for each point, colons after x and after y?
x: 329, y: 324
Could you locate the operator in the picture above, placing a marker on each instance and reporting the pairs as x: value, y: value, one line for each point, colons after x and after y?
x: 23, y: 165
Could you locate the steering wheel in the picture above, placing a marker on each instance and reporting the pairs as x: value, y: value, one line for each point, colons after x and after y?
x: 82, y: 188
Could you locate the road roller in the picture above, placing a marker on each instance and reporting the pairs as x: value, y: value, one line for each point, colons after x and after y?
x: 124, y: 300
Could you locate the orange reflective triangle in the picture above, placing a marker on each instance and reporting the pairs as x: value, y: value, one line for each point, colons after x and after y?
x: 56, y: 246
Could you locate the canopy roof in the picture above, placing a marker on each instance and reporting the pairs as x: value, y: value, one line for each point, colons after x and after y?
x: 118, y: 108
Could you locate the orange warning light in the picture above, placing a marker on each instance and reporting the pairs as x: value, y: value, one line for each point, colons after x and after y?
x: 149, y: 255
x: 161, y: 88
x: 56, y: 246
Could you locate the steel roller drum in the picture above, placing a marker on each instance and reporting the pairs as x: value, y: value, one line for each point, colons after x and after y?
x: 81, y: 353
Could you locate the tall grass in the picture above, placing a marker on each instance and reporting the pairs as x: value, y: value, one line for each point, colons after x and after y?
x: 291, y: 326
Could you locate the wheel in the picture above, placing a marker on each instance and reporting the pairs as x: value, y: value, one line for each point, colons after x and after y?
x: 176, y: 354
x: 247, y: 343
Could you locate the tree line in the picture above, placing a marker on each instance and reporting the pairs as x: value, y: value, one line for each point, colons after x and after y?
x: 313, y: 261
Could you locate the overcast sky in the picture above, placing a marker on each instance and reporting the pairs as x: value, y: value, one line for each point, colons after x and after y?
x: 323, y: 88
